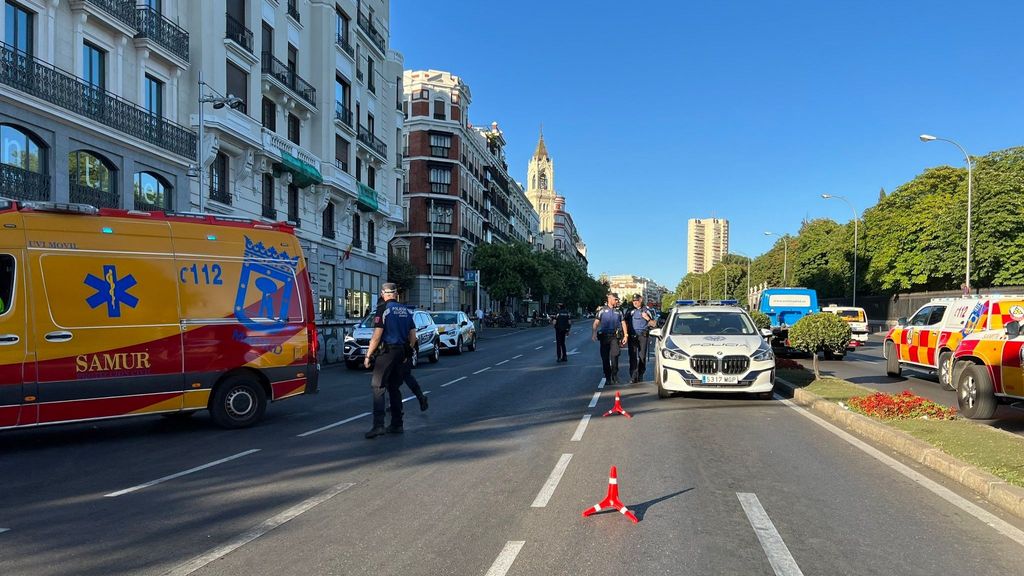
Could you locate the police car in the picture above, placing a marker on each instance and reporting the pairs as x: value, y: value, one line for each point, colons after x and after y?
x: 712, y: 347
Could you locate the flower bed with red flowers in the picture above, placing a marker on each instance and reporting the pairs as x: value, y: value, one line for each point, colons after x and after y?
x: 787, y: 364
x: 902, y: 406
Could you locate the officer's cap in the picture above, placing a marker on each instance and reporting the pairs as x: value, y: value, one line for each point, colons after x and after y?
x: 613, y: 294
x: 390, y: 287
x: 637, y: 297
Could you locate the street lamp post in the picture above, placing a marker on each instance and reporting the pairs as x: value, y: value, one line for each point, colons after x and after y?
x: 967, y: 157
x: 855, y: 219
x: 218, y: 103
x: 785, y: 255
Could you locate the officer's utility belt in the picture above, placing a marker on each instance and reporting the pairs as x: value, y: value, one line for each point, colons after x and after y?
x: 387, y: 348
x: 607, y: 334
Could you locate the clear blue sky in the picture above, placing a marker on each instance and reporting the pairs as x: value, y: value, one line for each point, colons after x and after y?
x: 743, y: 110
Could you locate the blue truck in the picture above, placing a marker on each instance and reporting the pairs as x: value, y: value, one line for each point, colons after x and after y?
x: 785, y: 306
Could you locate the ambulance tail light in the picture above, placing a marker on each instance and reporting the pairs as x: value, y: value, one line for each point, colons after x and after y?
x: 313, y: 371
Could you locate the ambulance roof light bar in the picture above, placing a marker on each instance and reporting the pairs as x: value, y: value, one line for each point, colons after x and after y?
x: 62, y: 207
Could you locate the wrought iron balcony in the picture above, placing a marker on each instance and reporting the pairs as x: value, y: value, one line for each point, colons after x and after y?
x: 147, y: 207
x: 372, y: 142
x: 220, y: 194
x: 236, y: 31
x: 371, y: 32
x: 27, y: 74
x: 285, y: 75
x: 346, y: 46
x: 81, y: 194
x: 154, y: 25
x: 123, y: 10
x: 269, y: 212
x: 329, y: 232
x: 25, y: 185
x: 342, y: 114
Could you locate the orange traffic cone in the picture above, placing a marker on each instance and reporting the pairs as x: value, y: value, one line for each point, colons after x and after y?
x: 617, y: 408
x: 612, y: 499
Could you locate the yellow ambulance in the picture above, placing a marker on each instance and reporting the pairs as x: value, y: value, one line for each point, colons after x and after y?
x: 113, y: 313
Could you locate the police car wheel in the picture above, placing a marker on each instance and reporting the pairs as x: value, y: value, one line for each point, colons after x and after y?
x: 238, y: 402
x: 436, y: 355
x: 892, y: 363
x: 975, y: 397
x: 946, y: 370
x: 458, y: 346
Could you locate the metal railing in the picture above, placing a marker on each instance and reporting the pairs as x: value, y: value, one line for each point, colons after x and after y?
x: 289, y: 78
x: 147, y: 207
x: 81, y: 194
x: 21, y: 184
x: 346, y: 46
x: 220, y: 194
x: 371, y: 31
x: 341, y: 164
x: 156, y: 26
x: 342, y: 114
x: 269, y: 212
x: 236, y: 31
x: 293, y: 10
x: 374, y: 143
x: 27, y: 74
x: 123, y: 10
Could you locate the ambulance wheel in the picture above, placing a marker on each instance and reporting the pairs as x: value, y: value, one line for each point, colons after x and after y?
x: 238, y: 402
x: 974, y: 394
x: 946, y: 370
x: 436, y: 354
x: 458, y: 346
x: 892, y: 363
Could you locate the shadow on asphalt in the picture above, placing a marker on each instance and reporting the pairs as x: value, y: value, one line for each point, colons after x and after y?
x: 641, y: 509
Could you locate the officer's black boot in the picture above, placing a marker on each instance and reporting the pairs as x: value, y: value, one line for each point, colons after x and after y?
x: 376, y: 431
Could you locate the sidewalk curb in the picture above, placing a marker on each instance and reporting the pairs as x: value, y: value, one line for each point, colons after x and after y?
x: 994, y: 489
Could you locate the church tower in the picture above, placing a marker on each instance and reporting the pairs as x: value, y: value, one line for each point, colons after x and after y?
x: 540, y: 186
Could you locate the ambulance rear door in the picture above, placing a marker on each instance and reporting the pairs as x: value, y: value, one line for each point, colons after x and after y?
x: 17, y: 379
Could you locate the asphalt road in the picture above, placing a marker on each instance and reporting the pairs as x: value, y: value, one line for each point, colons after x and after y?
x: 492, y: 479
x: 866, y: 367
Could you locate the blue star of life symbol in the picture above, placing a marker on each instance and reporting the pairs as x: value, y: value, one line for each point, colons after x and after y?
x: 111, y: 290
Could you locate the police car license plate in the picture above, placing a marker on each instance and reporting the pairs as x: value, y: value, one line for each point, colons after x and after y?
x: 719, y: 379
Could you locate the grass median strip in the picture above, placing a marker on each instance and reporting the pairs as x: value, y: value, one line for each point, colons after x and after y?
x: 992, y: 450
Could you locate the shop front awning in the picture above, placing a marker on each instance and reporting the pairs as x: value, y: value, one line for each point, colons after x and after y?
x: 303, y: 173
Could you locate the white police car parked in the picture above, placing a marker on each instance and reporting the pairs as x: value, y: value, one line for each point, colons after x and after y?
x: 456, y: 330
x: 712, y: 347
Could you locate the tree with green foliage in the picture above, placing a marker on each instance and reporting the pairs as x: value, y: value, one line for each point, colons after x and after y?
x: 824, y: 258
x: 761, y: 320
x: 820, y: 332
x: 401, y: 272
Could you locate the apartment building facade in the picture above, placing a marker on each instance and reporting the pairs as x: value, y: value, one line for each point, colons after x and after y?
x: 707, y: 243
x: 628, y: 284
x: 313, y: 141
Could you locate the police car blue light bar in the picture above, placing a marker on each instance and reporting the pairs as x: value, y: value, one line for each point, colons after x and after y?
x: 685, y: 302
x: 723, y: 302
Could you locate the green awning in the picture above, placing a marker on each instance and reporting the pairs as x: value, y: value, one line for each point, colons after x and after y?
x: 367, y: 200
x: 303, y: 173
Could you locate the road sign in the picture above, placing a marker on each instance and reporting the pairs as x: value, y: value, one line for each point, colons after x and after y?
x: 471, y: 277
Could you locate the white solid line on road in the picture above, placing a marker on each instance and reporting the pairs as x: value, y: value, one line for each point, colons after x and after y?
x: 180, y: 474
x: 336, y: 424
x: 482, y: 370
x: 500, y: 363
x: 593, y: 401
x: 600, y: 384
x: 549, y: 487
x: 267, y: 525
x: 778, y: 554
x: 1001, y: 526
x: 504, y: 560
x: 460, y: 379
x: 581, y: 428
x: 517, y: 357
x: 538, y: 347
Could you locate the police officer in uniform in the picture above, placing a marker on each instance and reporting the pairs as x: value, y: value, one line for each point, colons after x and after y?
x: 562, y: 324
x: 610, y: 328
x: 639, y: 321
x: 393, y: 331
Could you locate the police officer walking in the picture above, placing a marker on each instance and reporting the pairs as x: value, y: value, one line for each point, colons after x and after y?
x: 562, y: 324
x: 393, y: 331
x: 639, y: 321
x: 610, y: 328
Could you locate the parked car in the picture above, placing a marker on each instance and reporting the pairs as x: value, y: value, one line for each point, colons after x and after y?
x: 455, y: 330
x: 857, y: 318
x: 927, y: 340
x: 427, y: 335
x: 712, y: 348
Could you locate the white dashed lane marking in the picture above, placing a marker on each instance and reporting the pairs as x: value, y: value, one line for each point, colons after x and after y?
x: 500, y: 363
x: 460, y: 379
x: 517, y: 357
x: 549, y: 487
x: 600, y: 384
x: 778, y: 553
x: 504, y: 561
x: 593, y: 401
x: 180, y: 474
x: 336, y: 424
x: 538, y: 347
x: 482, y: 370
x: 581, y: 428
